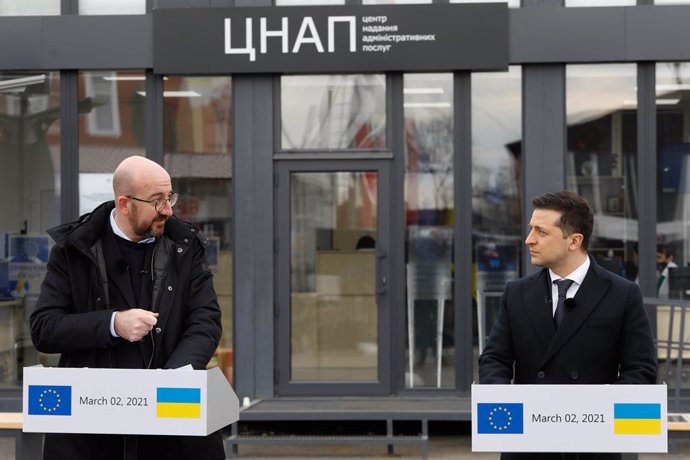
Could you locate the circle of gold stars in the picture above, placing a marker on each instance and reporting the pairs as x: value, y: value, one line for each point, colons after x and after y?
x: 56, y: 406
x: 507, y: 413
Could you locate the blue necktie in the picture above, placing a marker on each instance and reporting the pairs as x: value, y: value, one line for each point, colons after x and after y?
x: 563, y: 286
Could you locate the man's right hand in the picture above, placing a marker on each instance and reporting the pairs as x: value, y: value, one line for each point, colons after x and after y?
x: 135, y: 323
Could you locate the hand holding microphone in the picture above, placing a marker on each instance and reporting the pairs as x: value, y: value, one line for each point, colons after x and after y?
x: 134, y: 324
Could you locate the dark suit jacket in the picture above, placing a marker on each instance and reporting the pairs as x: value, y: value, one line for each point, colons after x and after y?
x: 606, y: 338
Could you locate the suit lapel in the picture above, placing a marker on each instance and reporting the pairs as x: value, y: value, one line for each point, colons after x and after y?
x: 537, y: 300
x: 588, y: 297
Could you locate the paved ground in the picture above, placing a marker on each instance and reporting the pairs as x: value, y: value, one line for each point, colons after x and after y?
x: 440, y: 448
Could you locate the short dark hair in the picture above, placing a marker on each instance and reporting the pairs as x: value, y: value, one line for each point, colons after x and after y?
x: 576, y: 213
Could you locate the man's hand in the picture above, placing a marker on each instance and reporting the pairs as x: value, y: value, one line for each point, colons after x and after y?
x: 134, y: 324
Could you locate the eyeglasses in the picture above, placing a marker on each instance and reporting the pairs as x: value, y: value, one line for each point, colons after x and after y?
x: 159, y: 205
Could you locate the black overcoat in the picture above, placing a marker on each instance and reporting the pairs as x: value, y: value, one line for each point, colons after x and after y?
x: 605, y: 338
x: 73, y: 312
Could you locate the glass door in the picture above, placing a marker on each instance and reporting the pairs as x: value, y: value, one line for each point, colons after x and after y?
x: 332, y: 278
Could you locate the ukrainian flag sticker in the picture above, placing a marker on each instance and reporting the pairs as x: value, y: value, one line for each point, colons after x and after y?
x: 629, y: 418
x: 178, y: 402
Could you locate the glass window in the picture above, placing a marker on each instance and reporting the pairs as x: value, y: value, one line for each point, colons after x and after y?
x: 601, y: 160
x: 334, y: 313
x: 32, y: 8
x: 673, y: 195
x: 30, y: 203
x: 89, y: 7
x: 111, y: 128
x: 673, y: 209
x: 496, y: 190
x: 333, y: 112
x: 429, y: 205
x: 198, y: 154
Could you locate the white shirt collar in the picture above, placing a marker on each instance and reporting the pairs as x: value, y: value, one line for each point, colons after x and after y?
x: 577, y: 275
x: 121, y: 234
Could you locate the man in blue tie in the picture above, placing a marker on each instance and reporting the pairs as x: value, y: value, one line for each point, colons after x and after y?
x: 572, y: 322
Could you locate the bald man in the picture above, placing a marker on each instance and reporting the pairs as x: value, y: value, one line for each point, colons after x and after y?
x: 128, y: 286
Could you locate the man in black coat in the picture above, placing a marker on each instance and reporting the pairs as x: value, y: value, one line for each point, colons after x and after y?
x: 128, y: 286
x: 599, y: 332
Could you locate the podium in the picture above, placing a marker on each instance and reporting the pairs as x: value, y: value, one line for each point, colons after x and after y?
x: 127, y: 401
x: 569, y: 418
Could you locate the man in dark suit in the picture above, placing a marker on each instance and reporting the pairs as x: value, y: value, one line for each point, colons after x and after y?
x: 597, y: 332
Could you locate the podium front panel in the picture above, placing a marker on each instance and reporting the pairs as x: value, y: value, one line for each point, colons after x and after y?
x: 569, y: 418
x: 119, y: 401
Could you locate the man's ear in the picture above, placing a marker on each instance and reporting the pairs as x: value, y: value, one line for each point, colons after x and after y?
x: 576, y: 241
x: 121, y: 205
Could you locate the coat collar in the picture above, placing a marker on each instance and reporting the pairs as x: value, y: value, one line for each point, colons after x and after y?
x: 594, y: 287
x: 84, y: 232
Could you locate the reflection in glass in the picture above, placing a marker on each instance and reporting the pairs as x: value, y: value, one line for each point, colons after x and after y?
x: 30, y: 203
x: 333, y: 111
x: 29, y: 8
x: 601, y: 161
x: 333, y: 233
x: 198, y: 154
x: 111, y: 128
x: 673, y: 196
x: 429, y: 205
x: 673, y: 209
x: 93, y: 7
x: 497, y: 238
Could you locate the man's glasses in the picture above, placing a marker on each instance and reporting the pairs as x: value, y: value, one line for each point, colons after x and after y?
x: 159, y: 205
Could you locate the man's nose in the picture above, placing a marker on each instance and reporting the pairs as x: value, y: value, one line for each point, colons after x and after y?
x: 167, y: 209
x: 529, y: 240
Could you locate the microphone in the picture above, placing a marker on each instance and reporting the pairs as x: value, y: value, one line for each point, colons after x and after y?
x: 547, y: 300
x: 569, y: 304
x: 122, y: 265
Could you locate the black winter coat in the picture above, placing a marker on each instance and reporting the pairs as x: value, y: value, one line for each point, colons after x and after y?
x: 73, y: 313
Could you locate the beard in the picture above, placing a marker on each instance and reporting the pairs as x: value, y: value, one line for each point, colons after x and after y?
x: 153, y: 228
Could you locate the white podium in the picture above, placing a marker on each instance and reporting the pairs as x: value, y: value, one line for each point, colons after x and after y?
x: 127, y: 401
x: 569, y: 418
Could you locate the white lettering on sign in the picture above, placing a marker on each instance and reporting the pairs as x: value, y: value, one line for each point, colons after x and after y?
x: 282, y: 33
x: 248, y: 49
x: 377, y: 35
x: 308, y: 23
x: 307, y: 35
x: 331, y: 32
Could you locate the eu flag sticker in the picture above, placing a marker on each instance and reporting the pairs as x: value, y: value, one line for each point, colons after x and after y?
x: 50, y: 400
x: 499, y: 418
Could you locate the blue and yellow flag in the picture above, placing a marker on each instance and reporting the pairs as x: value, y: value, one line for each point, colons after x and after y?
x: 631, y: 418
x: 499, y: 418
x: 178, y: 402
x: 50, y: 400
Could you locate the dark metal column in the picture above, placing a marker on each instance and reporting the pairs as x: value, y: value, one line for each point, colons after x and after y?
x: 253, y: 226
x: 462, y: 146
x: 544, y: 137
x: 646, y: 177
x: 396, y: 136
x: 154, y: 117
x: 69, y: 145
